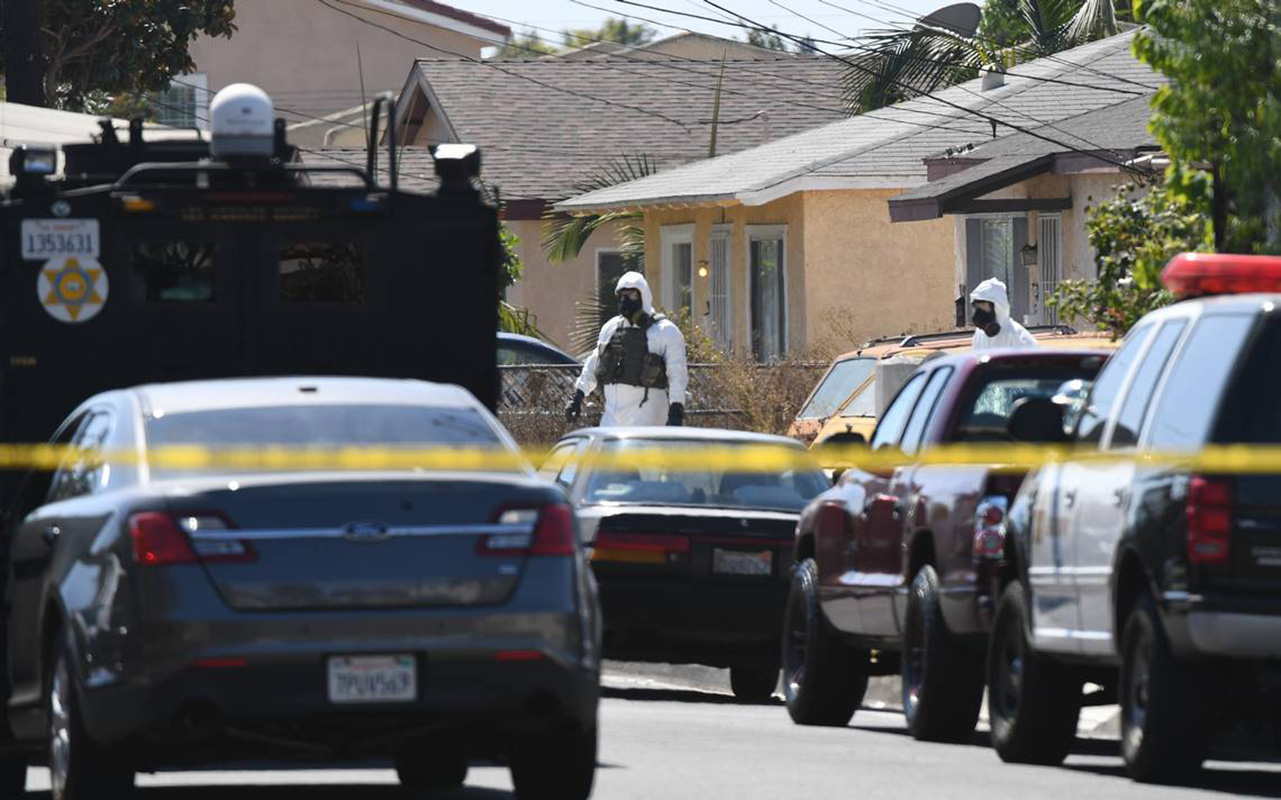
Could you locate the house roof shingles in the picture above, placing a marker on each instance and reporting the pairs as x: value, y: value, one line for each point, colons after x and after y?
x: 888, y: 147
x: 542, y: 126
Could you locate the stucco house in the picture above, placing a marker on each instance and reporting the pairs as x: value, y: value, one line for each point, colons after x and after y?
x: 304, y: 54
x: 794, y: 238
x: 545, y: 126
x: 1020, y: 203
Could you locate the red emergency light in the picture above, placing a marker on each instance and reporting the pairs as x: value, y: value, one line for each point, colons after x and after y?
x: 1200, y: 274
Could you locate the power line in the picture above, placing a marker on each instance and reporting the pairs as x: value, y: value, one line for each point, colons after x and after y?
x: 995, y: 120
x: 850, y: 44
x: 493, y: 65
x: 993, y: 100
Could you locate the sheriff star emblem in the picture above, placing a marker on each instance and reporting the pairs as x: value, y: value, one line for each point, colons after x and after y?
x: 72, y: 289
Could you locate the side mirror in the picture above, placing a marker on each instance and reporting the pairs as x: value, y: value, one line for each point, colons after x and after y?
x: 1037, y: 419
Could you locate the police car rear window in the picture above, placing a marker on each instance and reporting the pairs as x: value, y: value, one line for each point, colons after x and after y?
x: 322, y: 426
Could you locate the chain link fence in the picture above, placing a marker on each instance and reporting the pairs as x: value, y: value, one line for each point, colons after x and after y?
x: 737, y: 396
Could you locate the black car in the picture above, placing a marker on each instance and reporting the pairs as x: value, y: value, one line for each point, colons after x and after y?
x: 170, y: 612
x: 1156, y: 579
x: 693, y: 564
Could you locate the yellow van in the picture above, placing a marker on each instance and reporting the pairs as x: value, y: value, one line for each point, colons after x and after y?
x: 849, y: 396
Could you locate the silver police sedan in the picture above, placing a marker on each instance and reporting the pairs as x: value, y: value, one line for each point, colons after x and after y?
x: 180, y: 614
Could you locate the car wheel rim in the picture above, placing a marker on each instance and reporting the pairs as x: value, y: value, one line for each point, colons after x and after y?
x: 1010, y: 685
x: 59, y: 729
x: 914, y: 659
x: 1139, y: 695
x: 797, y: 646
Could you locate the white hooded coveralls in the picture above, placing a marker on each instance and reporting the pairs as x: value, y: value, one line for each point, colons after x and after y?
x: 1012, y: 334
x: 628, y: 405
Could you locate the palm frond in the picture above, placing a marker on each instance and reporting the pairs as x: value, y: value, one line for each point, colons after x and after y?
x: 512, y: 319
x: 908, y: 63
x: 563, y: 237
x: 1095, y: 19
x: 584, y: 328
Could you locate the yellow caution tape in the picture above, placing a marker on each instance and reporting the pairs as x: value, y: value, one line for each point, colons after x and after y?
x: 1237, y: 459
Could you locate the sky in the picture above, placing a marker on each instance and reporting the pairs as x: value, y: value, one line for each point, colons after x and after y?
x: 849, y: 17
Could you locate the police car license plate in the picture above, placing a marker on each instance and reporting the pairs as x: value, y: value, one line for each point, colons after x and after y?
x: 373, y: 679
x: 739, y: 562
x: 43, y: 239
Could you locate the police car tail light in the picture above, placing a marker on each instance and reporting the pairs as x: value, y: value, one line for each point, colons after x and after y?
x: 552, y: 532
x: 639, y: 548
x: 1209, y: 518
x: 1199, y: 274
x: 158, y: 541
x: 989, y: 528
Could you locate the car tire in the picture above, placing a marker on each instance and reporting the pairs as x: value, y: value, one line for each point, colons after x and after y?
x: 824, y: 679
x: 753, y: 683
x: 79, y: 767
x: 1033, y: 703
x: 1164, y: 719
x: 555, y: 766
x: 431, y: 771
x: 942, y: 676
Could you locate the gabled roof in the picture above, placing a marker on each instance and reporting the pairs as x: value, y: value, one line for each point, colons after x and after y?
x: 543, y: 125
x: 887, y: 148
x: 446, y: 17
x: 1110, y: 135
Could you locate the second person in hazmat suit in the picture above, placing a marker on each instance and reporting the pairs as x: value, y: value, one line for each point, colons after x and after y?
x: 991, y: 315
x: 639, y: 362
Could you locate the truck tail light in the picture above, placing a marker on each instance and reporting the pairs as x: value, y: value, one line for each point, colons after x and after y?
x: 1209, y: 518
x: 833, y: 520
x: 638, y: 548
x: 989, y: 528
x: 552, y: 533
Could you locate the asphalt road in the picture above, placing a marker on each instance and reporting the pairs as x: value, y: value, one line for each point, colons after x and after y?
x: 664, y: 741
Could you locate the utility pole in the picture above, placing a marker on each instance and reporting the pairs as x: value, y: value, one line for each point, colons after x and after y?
x: 24, y: 67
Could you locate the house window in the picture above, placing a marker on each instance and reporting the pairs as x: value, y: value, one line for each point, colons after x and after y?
x: 720, y: 319
x: 610, y: 266
x: 767, y: 273
x: 1051, y: 265
x: 678, y: 269
x: 185, y: 104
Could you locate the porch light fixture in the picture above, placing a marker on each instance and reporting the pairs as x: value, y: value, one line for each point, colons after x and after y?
x: 1028, y: 255
x: 702, y: 269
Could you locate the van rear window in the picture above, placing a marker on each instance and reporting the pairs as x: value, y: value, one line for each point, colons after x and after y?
x: 176, y: 272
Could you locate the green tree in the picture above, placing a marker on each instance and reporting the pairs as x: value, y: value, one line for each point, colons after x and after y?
x: 527, y: 45
x: 770, y: 40
x: 920, y: 60
x: 115, y: 46
x: 1002, y: 22
x: 614, y: 29
x: 1134, y: 235
x: 1221, y: 108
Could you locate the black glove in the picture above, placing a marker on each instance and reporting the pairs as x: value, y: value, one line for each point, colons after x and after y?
x: 575, y: 408
x: 676, y: 415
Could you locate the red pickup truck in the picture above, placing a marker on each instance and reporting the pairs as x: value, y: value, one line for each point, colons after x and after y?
x: 894, y: 568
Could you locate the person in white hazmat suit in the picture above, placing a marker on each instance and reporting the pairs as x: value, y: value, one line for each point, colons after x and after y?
x: 990, y: 306
x: 639, y: 362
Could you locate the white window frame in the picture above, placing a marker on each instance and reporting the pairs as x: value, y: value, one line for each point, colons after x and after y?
x: 754, y: 233
x: 670, y: 236
x: 723, y: 231
x: 198, y: 82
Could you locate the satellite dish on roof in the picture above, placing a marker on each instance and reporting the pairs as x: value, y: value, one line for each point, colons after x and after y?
x: 960, y: 18
x: 241, y: 122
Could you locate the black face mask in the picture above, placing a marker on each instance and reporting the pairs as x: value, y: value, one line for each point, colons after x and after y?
x: 982, y: 317
x: 628, y: 306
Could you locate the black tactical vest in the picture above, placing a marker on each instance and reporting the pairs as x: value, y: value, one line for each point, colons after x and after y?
x: 627, y: 359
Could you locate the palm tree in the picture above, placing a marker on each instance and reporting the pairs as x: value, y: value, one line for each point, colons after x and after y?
x: 563, y: 236
x: 931, y: 55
